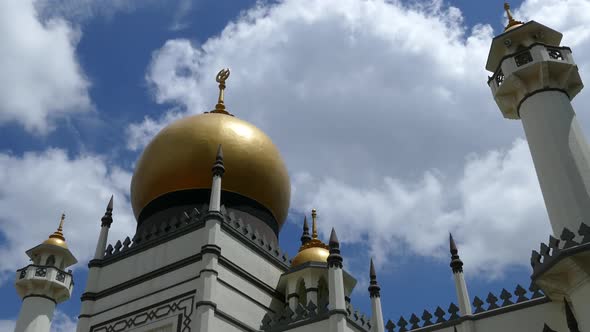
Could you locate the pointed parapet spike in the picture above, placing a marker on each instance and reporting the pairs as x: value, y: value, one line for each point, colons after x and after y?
x: 535, y: 259
x: 521, y: 293
x: 390, y: 326
x: 402, y: 323
x: 414, y: 320
x: 492, y: 301
x: 126, y: 243
x: 453, y: 310
x: 440, y: 315
x: 118, y: 246
x: 109, y: 250
x: 505, y: 296
x: 426, y: 317
x: 478, y: 304
x: 568, y: 236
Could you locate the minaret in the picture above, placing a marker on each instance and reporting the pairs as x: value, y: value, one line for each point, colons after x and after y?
x: 45, y: 283
x: 336, y: 286
x: 94, y: 269
x: 460, y: 285
x: 535, y: 80
x: 105, y: 225
x: 305, y: 236
x: 377, y: 313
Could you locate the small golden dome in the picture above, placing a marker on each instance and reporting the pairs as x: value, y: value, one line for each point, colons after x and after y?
x: 313, y: 254
x: 313, y: 250
x: 57, y: 238
x: 182, y: 154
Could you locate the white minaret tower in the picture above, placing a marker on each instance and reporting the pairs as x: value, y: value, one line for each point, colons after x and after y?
x: 45, y: 283
x: 375, y: 295
x: 535, y: 80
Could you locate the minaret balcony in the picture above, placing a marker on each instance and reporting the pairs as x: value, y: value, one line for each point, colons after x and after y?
x: 531, y: 70
x: 44, y: 280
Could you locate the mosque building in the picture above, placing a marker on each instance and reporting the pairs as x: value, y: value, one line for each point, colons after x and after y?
x: 211, y: 193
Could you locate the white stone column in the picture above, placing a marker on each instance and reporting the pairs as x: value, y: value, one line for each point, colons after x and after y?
x: 35, y: 314
x: 562, y: 158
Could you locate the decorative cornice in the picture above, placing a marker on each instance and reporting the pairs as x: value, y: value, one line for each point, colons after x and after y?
x: 558, y: 249
x: 443, y: 319
x: 41, y: 296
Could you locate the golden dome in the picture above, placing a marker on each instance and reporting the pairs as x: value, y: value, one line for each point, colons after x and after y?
x: 182, y: 154
x: 57, y: 238
x: 313, y: 254
x: 313, y: 250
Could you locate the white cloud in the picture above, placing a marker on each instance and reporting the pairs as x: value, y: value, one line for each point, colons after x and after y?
x: 81, y: 10
x: 63, y: 323
x: 7, y: 325
x: 38, y: 187
x: 41, y: 79
x: 375, y: 106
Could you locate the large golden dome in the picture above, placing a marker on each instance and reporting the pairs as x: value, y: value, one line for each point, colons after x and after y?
x: 181, y: 156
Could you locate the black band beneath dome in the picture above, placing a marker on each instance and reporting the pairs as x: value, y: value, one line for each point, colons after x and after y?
x: 174, y: 203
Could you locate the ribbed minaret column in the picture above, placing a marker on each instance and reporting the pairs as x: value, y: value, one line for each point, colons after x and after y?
x: 211, y: 251
x: 460, y: 285
x: 374, y: 293
x: 535, y: 80
x: 94, y: 270
x: 336, y: 295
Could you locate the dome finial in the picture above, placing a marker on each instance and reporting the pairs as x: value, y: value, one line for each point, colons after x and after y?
x: 511, y: 21
x: 221, y: 78
x: 314, y: 226
x: 58, y: 234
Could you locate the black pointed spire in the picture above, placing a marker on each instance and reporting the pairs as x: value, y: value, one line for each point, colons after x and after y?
x: 456, y: 263
x: 334, y: 259
x: 218, y: 168
x: 373, y: 285
x: 305, y: 237
x: 107, y: 219
x: 572, y: 323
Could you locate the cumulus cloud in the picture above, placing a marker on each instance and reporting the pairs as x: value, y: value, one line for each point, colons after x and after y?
x: 82, y: 10
x: 495, y: 211
x: 38, y: 187
x: 378, y: 108
x: 41, y: 78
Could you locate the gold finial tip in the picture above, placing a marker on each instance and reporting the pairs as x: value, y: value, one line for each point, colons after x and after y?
x: 222, y: 75
x: 221, y: 78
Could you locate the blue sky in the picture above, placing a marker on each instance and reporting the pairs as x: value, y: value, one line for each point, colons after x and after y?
x: 380, y: 109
